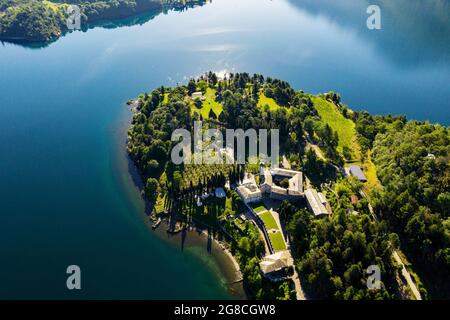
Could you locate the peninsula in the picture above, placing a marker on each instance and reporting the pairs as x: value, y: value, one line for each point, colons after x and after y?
x: 355, y: 207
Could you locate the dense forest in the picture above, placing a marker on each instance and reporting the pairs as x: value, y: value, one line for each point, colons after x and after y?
x: 44, y: 21
x: 410, y: 198
x: 333, y: 255
x: 412, y: 160
x: 413, y: 166
x: 243, y: 101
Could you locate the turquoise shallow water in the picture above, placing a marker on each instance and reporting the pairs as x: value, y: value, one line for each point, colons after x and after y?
x: 66, y: 196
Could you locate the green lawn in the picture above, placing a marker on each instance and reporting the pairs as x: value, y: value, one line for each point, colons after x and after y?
x: 55, y: 6
x: 208, y: 104
x: 159, y: 205
x: 166, y: 98
x: 277, y: 241
x: 229, y: 204
x: 344, y: 127
x: 371, y: 173
x: 258, y: 206
x: 263, y: 100
x: 268, y: 220
x: 259, y: 209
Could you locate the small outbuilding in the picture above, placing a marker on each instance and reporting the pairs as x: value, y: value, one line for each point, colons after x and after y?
x: 248, y: 190
x: 197, y: 95
x: 275, y: 262
x: 316, y: 202
x: 357, y: 172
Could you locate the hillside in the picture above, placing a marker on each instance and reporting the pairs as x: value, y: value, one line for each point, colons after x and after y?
x: 410, y: 198
x: 344, y: 127
x: 26, y: 21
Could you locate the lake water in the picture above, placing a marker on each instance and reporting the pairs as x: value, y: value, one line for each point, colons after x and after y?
x: 66, y: 195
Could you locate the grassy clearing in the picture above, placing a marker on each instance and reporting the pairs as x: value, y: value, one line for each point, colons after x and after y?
x: 55, y: 6
x: 263, y: 101
x: 268, y: 220
x: 371, y: 173
x: 344, y: 127
x: 159, y: 205
x: 211, y: 103
x: 166, y: 98
x: 229, y: 204
x: 277, y: 241
x: 208, y: 104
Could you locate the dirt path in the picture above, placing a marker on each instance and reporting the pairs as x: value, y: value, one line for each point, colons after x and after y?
x: 397, y: 258
x: 316, y: 150
x: 407, y: 276
x: 298, y: 287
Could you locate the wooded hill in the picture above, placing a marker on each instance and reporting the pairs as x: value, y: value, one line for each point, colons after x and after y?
x: 44, y: 20
x: 410, y: 192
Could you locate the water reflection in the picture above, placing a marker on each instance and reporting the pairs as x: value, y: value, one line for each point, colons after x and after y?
x: 139, y: 19
x: 414, y: 33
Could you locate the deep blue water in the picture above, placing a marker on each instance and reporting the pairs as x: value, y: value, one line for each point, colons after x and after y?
x: 66, y: 196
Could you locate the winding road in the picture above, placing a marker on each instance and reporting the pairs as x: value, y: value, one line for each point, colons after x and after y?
x: 405, y: 273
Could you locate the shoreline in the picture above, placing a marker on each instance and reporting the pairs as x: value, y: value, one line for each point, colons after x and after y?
x: 141, y: 13
x: 227, y: 253
x: 132, y: 104
x: 195, y: 236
